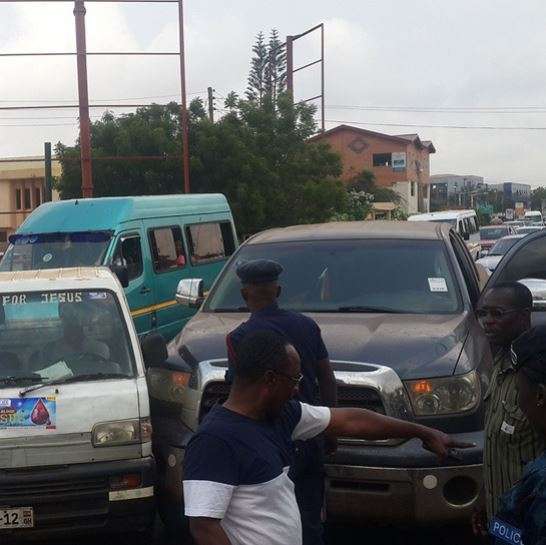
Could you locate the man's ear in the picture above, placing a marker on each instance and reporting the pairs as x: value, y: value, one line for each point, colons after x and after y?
x: 269, y: 378
x: 541, y: 395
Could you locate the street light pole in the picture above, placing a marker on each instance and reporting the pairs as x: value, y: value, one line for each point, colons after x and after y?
x: 83, y: 100
x: 183, y: 106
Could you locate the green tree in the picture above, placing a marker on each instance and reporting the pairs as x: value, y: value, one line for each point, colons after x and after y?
x: 275, y: 71
x: 538, y: 196
x: 365, y: 181
x: 256, y: 88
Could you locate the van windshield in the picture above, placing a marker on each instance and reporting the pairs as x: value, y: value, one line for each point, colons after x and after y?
x: 350, y: 276
x: 56, y: 334
x: 452, y: 222
x: 55, y: 250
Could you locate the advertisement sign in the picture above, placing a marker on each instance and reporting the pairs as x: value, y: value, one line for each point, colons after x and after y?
x: 399, y: 161
x: 31, y: 412
x: 509, y: 214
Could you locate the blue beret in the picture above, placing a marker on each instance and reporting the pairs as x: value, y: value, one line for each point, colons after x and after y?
x: 259, y: 271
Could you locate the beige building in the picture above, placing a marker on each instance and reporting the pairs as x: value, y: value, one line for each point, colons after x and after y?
x: 22, y: 183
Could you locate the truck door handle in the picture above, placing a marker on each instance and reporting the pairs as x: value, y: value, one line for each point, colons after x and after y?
x: 144, y: 290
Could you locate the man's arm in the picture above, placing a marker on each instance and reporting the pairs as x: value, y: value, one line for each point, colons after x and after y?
x: 364, y: 424
x: 207, y: 531
x: 327, y: 383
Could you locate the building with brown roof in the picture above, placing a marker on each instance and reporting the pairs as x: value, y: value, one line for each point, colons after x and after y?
x: 398, y: 162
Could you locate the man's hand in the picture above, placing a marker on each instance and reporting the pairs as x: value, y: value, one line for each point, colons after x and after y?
x: 479, y: 522
x: 440, y: 443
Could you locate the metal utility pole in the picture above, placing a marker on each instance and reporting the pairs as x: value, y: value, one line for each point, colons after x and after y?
x: 183, y: 107
x: 290, y: 70
x: 210, y: 92
x: 48, y: 182
x: 83, y: 100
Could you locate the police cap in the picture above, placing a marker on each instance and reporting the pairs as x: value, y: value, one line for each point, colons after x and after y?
x: 529, y: 352
x: 259, y: 271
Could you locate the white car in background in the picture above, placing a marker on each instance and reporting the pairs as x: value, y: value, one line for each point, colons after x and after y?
x: 528, y: 229
x: 492, y: 259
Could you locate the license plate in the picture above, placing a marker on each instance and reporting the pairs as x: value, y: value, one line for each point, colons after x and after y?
x: 13, y: 519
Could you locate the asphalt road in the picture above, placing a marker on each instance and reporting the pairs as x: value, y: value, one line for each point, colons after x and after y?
x: 340, y: 535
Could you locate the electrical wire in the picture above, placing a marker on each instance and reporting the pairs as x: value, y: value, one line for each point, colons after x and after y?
x: 426, y: 126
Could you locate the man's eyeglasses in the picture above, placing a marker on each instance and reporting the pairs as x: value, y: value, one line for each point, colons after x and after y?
x: 295, y: 380
x: 496, y: 313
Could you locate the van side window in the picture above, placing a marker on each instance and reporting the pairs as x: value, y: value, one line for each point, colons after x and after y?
x: 167, y: 248
x: 129, y: 249
x: 210, y: 242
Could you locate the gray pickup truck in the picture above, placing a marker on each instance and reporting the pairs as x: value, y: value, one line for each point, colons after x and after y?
x: 395, y: 302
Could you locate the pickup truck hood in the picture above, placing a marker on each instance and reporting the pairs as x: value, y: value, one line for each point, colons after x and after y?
x: 414, y: 345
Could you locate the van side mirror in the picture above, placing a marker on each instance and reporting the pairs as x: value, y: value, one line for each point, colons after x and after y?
x: 154, y: 350
x: 537, y: 287
x: 466, y: 235
x: 190, y: 292
x: 119, y: 268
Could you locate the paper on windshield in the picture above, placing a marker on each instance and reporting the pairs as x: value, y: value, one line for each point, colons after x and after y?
x: 437, y: 285
x: 55, y: 371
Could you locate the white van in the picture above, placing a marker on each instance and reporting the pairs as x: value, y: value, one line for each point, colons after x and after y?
x: 75, y: 433
x: 465, y: 222
x: 533, y: 217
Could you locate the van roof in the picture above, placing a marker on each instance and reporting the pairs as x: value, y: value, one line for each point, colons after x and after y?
x: 444, y: 215
x: 353, y: 230
x: 58, y: 279
x: 103, y: 214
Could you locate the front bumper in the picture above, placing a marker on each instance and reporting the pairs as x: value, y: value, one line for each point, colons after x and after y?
x: 76, y: 499
x: 403, y: 484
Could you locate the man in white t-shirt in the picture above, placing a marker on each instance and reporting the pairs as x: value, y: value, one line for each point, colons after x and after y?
x: 237, y: 488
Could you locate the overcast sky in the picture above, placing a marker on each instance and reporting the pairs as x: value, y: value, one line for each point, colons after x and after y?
x: 436, y: 54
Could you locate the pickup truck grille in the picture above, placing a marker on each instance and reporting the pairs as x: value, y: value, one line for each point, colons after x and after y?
x: 348, y: 396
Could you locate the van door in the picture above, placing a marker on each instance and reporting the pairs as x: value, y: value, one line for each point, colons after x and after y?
x: 169, y: 266
x: 525, y: 262
x: 131, y: 247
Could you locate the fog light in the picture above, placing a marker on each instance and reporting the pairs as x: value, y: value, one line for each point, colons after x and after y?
x: 125, y: 482
x: 460, y: 490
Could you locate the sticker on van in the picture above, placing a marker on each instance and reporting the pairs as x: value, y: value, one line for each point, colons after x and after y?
x: 32, y: 412
x: 437, y: 284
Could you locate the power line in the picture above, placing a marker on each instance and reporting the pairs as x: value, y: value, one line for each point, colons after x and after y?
x: 424, y: 126
x: 442, y: 109
x: 46, y: 100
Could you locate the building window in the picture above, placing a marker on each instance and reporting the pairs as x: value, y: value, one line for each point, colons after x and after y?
x: 210, y: 242
x: 412, y: 189
x: 167, y: 249
x: 37, y: 197
x: 3, y: 236
x: 27, y: 199
x: 18, y: 204
x: 382, y: 159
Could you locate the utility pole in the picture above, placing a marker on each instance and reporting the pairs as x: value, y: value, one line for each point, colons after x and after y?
x: 183, y: 106
x: 210, y: 91
x: 48, y: 178
x: 83, y: 100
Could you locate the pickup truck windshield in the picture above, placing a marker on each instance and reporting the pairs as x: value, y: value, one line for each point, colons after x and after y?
x: 503, y: 245
x: 55, y: 250
x: 52, y: 335
x: 398, y: 276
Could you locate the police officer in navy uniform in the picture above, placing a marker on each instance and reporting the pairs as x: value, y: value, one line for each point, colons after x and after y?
x: 261, y: 290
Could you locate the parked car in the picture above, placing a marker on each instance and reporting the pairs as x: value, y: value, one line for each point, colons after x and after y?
x: 533, y: 217
x: 465, y: 222
x: 514, y: 224
x: 499, y: 249
x: 403, y: 340
x: 156, y: 241
x: 75, y: 436
x: 489, y: 234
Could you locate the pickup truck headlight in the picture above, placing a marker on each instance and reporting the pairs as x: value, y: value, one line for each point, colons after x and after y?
x: 438, y: 396
x: 122, y: 432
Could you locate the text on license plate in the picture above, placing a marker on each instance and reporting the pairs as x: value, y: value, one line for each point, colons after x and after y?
x: 20, y: 517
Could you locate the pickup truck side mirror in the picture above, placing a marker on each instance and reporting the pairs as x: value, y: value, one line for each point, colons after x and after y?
x: 119, y: 268
x: 190, y: 292
x: 537, y: 287
x: 154, y: 350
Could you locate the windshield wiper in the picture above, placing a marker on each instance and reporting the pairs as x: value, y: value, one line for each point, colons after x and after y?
x: 72, y: 378
x: 17, y: 380
x: 370, y: 310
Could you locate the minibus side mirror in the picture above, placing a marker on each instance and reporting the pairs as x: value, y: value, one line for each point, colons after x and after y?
x: 154, y: 350
x: 119, y: 268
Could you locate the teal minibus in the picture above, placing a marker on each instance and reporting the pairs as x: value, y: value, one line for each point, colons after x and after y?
x: 152, y: 242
